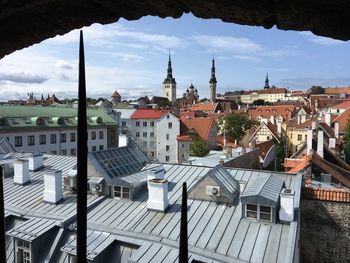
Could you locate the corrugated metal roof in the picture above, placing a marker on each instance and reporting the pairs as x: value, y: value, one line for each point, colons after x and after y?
x: 32, y: 229
x: 264, y: 190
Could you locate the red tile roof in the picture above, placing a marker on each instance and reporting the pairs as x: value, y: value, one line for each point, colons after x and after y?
x: 148, y: 114
x: 337, y: 90
x: 342, y: 105
x: 343, y: 120
x: 208, y: 107
x: 220, y: 140
x: 334, y: 195
x: 264, y: 148
x: 267, y: 111
x: 201, y: 125
x: 115, y: 94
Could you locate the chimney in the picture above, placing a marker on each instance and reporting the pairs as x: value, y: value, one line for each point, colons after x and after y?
x: 332, y: 143
x: 272, y: 119
x: 309, y: 141
x: 279, y: 127
x: 157, y: 194
x: 320, y: 143
x: 303, y: 118
x: 287, y: 205
x: 156, y: 173
x: 53, y: 192
x: 298, y: 119
x: 313, y: 125
x: 336, y: 129
x: 222, y: 160
x: 327, y: 119
x: 21, y: 170
x: 36, y: 161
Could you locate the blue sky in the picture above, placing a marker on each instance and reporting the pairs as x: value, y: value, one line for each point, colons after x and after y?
x: 131, y: 57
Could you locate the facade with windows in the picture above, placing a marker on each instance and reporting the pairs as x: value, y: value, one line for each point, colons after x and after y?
x: 54, y: 131
x: 155, y: 131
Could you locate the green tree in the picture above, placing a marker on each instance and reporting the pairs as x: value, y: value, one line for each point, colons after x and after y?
x: 258, y: 102
x: 346, y: 145
x: 316, y: 90
x: 236, y: 125
x: 199, y: 148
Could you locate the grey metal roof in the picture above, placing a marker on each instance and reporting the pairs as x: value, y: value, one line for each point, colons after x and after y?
x: 264, y: 190
x: 32, y: 229
x: 117, y: 162
x: 6, y: 146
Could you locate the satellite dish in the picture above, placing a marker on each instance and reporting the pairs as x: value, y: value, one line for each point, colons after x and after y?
x: 270, y: 156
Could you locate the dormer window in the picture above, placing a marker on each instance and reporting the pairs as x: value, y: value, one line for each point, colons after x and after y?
x: 23, y: 251
x: 258, y: 212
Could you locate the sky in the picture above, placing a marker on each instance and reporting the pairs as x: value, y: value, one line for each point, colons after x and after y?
x: 131, y: 57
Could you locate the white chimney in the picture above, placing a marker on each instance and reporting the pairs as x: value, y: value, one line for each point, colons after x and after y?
x: 309, y: 141
x: 303, y: 118
x: 320, y: 143
x: 327, y: 118
x: 272, y: 119
x: 156, y: 173
x: 279, y: 127
x: 157, y: 194
x: 287, y: 205
x: 53, y: 191
x: 332, y: 143
x: 336, y: 129
x: 21, y: 170
x: 36, y: 161
x: 298, y: 119
x: 313, y: 125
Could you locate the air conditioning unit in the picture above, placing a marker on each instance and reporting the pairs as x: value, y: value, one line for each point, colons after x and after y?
x: 213, y: 190
x: 98, y: 188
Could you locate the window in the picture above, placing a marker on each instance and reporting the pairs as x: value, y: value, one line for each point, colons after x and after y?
x: 170, y: 125
x: 167, y: 116
x: 93, y: 148
x: 152, y: 124
x: 251, y: 211
x: 137, y: 124
x: 152, y: 154
x: 151, y: 134
x: 42, y: 139
x: 144, y: 135
x: 63, y: 152
x: 167, y: 158
x: 119, y: 191
x: 123, y: 123
x: 53, y: 152
x: 72, y: 137
x: 152, y: 144
x: 53, y: 138
x: 182, y: 145
x: 137, y: 134
x: 167, y: 147
x: 167, y: 136
x: 265, y: 213
x: 31, y: 140
x: 299, y: 137
x: 267, y: 137
x: 18, y: 141
x: 291, y: 135
x: 182, y: 156
x: 305, y: 137
x: 100, y: 135
x: 93, y: 135
x: 145, y: 124
x: 100, y: 147
x: 63, y: 137
x: 23, y: 251
x: 144, y: 144
x: 73, y: 151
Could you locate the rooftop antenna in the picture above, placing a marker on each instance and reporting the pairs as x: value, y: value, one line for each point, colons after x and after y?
x: 183, y: 252
x: 81, y: 159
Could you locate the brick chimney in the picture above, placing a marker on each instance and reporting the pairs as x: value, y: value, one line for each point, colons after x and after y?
x: 21, y: 170
x: 320, y: 143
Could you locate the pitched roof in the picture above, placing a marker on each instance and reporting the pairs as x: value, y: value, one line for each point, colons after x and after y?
x: 271, y: 127
x: 115, y: 94
x: 343, y: 120
x: 267, y: 111
x: 266, y: 91
x: 337, y: 90
x: 264, y: 148
x: 342, y: 105
x: 208, y: 107
x: 201, y: 125
x: 148, y: 114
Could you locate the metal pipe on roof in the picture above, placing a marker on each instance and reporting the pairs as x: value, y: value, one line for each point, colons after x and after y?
x: 2, y: 219
x: 183, y: 252
x: 81, y: 159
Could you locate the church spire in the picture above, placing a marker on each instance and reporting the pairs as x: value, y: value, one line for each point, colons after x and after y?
x: 169, y: 83
x: 267, y: 85
x: 213, y: 81
x: 170, y: 70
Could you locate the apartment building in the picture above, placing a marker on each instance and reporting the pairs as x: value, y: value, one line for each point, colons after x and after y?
x: 155, y: 131
x: 54, y: 130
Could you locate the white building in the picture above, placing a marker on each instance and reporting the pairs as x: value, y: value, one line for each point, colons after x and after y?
x: 54, y: 130
x: 155, y: 131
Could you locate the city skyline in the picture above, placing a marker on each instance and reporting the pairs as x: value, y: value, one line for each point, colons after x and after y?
x: 131, y: 57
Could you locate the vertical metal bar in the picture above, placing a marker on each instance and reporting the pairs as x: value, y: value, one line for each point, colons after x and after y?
x: 183, y: 253
x: 81, y: 159
x: 2, y: 219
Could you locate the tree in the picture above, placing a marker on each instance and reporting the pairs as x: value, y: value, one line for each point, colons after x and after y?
x: 199, y: 148
x: 236, y: 125
x: 258, y: 102
x: 346, y: 145
x: 316, y: 90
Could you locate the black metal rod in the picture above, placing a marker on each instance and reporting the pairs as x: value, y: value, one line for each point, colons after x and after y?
x: 183, y: 253
x: 2, y: 219
x: 81, y: 159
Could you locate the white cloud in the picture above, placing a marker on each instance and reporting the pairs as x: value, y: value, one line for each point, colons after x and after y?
x: 22, y: 77
x: 63, y: 64
x: 124, y: 56
x: 247, y: 58
x: 324, y: 41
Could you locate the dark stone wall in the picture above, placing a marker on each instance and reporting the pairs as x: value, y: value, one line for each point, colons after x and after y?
x: 325, y: 231
x: 249, y: 160
x: 28, y: 22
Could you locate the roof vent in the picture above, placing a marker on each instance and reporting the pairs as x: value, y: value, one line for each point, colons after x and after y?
x: 53, y: 191
x: 213, y: 190
x: 21, y: 170
x: 157, y: 194
x: 36, y: 161
x: 287, y: 205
